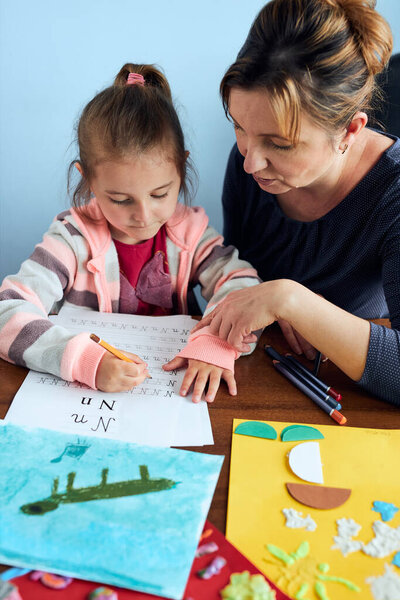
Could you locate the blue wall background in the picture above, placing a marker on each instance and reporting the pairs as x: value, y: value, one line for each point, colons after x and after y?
x: 55, y: 56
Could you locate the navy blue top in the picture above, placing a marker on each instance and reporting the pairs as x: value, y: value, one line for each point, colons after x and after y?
x: 351, y: 255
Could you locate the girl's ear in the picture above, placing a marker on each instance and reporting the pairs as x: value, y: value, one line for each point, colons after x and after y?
x: 187, y: 154
x: 78, y: 166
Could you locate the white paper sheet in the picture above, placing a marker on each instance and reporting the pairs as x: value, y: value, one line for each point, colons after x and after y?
x: 150, y: 414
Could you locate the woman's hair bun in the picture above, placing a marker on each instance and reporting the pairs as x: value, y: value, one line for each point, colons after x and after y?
x: 371, y: 31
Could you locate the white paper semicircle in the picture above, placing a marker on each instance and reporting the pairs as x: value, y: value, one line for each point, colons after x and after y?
x: 305, y: 462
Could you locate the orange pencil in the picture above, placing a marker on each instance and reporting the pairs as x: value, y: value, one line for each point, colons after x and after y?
x: 111, y: 349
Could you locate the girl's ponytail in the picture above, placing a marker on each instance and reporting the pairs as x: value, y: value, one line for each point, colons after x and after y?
x: 152, y: 77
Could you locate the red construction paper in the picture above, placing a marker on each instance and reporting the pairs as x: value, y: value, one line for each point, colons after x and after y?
x: 196, y: 589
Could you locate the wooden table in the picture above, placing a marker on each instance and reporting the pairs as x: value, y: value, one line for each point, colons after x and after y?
x: 262, y: 394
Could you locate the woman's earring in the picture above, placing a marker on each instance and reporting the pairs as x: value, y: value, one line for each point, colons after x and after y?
x: 345, y: 148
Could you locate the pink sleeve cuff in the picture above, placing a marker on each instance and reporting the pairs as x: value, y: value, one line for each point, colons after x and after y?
x: 209, y: 348
x: 81, y: 359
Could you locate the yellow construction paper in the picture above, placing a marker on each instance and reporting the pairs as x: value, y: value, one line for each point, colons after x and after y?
x: 364, y: 460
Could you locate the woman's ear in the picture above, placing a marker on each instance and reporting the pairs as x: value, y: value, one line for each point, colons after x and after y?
x: 78, y: 166
x: 187, y: 154
x: 357, y: 124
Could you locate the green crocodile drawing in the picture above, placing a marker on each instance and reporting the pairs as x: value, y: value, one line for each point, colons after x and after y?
x: 104, y: 490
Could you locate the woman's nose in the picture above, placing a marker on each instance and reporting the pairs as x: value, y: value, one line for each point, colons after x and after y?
x: 254, y: 160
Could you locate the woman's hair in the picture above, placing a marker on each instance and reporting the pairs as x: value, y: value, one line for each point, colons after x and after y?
x: 314, y: 56
x: 129, y: 119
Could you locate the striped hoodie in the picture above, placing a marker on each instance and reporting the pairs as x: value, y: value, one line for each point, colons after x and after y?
x: 76, y: 265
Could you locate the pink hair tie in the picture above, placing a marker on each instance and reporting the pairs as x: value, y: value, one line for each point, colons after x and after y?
x: 134, y: 78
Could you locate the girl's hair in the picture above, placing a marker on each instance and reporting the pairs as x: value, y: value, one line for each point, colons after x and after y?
x: 129, y: 119
x: 314, y: 56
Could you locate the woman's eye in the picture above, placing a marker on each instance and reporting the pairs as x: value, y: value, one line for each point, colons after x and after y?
x: 285, y: 148
x: 237, y: 127
x: 159, y: 197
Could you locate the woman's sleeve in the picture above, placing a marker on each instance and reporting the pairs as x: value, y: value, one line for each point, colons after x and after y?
x: 27, y: 337
x: 381, y: 375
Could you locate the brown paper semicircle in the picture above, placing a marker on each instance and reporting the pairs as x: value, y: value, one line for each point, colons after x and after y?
x: 318, y: 496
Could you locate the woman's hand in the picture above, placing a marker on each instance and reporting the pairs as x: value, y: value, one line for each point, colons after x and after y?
x: 245, y: 311
x: 116, y: 375
x: 201, y: 375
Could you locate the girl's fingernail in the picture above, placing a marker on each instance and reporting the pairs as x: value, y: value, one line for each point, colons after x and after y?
x: 310, y: 354
x: 183, y: 392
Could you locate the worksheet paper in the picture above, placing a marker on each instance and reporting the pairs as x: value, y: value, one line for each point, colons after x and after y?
x: 151, y: 414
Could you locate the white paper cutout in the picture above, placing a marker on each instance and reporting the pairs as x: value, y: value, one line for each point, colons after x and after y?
x: 305, y: 462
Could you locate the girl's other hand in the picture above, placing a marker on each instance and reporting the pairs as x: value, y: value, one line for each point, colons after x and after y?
x: 297, y: 343
x: 202, y: 375
x: 116, y: 375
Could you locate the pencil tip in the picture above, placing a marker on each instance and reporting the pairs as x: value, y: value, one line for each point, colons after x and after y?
x: 94, y: 337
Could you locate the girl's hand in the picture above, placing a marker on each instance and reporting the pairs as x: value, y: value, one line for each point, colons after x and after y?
x: 201, y: 374
x: 116, y: 375
x: 298, y: 344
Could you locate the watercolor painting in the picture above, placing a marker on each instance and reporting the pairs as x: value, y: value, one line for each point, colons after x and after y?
x: 108, y: 511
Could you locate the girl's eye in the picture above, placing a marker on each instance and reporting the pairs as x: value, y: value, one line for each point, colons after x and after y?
x: 160, y: 197
x: 120, y: 202
x: 237, y: 127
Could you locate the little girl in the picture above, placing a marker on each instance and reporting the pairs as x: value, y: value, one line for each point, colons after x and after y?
x: 126, y: 246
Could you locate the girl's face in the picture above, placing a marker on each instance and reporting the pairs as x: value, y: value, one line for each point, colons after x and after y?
x: 277, y: 165
x: 137, y: 195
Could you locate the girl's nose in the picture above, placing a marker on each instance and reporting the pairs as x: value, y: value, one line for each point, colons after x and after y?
x: 254, y: 160
x: 142, y: 214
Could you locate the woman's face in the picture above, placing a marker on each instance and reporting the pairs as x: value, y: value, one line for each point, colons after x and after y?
x: 277, y: 165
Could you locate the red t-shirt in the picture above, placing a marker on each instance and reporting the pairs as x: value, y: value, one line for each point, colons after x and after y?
x: 144, y: 277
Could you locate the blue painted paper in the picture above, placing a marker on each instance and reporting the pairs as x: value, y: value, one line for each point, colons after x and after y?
x: 145, y: 541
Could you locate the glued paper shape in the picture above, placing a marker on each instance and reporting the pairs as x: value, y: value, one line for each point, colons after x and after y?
x: 257, y: 429
x: 122, y: 514
x: 322, y: 497
x: 305, y: 462
x: 298, y: 433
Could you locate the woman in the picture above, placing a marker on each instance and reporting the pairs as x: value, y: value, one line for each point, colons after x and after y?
x: 311, y: 196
